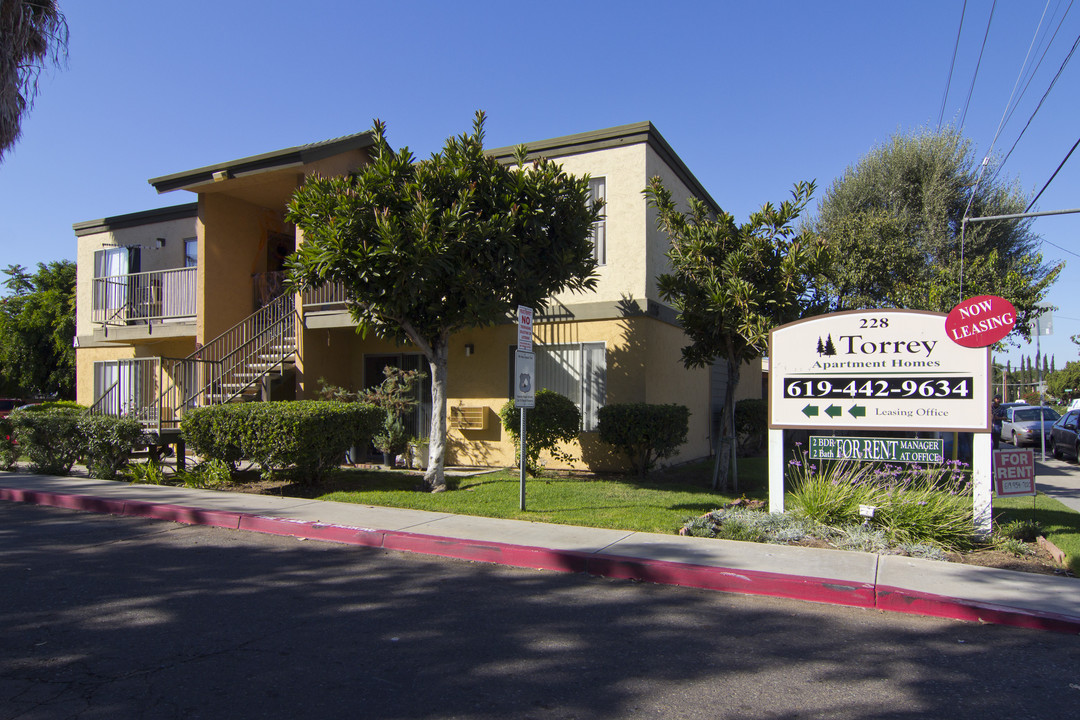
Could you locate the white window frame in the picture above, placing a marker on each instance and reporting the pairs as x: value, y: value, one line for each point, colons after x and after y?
x: 598, y: 191
x: 191, y: 259
x: 576, y: 370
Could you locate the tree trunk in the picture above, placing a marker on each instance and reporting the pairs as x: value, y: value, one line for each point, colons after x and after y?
x: 435, y: 475
x: 725, y: 450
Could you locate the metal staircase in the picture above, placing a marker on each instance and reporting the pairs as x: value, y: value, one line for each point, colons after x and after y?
x: 236, y: 366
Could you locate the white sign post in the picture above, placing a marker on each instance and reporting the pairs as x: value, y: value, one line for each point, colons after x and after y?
x: 524, y: 384
x: 878, y: 370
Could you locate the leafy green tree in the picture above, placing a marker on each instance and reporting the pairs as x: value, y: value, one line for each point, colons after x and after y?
x: 37, y: 324
x: 33, y: 33
x: 892, y: 223
x: 1065, y: 383
x: 426, y: 249
x: 732, y: 284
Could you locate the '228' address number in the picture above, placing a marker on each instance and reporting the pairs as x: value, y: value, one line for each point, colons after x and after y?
x: 916, y: 388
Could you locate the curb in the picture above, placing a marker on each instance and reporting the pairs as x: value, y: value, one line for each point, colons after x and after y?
x: 748, y: 582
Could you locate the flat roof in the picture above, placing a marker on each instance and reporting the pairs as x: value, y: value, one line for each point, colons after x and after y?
x: 135, y: 219
x: 276, y: 160
x: 633, y: 134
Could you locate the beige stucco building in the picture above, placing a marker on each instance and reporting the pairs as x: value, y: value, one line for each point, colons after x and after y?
x: 183, y: 306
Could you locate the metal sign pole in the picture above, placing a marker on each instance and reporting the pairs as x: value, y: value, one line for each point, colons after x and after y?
x: 522, y: 499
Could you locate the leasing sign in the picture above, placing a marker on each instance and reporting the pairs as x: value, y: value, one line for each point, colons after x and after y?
x: 876, y: 370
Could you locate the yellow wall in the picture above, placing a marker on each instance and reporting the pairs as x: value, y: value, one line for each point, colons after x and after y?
x: 623, y: 170
x: 232, y: 247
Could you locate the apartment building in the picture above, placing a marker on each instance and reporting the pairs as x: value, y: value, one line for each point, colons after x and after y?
x: 185, y: 306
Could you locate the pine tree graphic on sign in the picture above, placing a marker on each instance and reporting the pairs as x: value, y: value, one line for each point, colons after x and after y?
x: 830, y: 349
x: 820, y: 346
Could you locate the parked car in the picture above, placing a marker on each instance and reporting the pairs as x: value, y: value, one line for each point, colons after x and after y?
x: 7, y: 405
x: 1065, y: 435
x: 1028, y: 425
x: 999, y: 415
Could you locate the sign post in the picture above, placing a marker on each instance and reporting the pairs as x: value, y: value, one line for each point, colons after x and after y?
x: 525, y: 386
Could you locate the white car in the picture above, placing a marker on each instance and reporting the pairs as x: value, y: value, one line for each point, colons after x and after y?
x: 1028, y: 425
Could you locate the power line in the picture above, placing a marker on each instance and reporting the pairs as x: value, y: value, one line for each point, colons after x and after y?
x: 952, y: 66
x: 975, y: 75
x: 1043, y: 98
x: 1035, y: 69
x: 1039, y: 194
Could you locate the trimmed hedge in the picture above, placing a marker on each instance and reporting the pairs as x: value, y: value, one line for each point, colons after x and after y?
x: 644, y: 432
x: 309, y: 435
x: 554, y: 420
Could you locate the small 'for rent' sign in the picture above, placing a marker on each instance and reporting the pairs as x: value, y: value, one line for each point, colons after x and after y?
x: 1014, y: 472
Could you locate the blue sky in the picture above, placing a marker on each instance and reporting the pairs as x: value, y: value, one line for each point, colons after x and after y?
x: 753, y: 96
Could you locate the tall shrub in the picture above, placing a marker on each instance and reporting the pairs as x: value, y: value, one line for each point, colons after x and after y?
x: 9, y: 451
x: 49, y: 436
x: 554, y: 420
x: 644, y: 432
x: 108, y: 442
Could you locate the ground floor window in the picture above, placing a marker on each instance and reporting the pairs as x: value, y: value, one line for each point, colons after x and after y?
x: 576, y: 370
x: 117, y: 386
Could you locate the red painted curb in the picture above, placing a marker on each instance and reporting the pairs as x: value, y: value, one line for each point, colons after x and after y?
x: 747, y: 582
x: 899, y: 600
x: 311, y: 530
x: 69, y: 502
x: 489, y: 552
x: 182, y: 514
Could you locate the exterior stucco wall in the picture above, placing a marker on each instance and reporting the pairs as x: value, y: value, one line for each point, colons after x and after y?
x: 657, y: 245
x: 232, y: 247
x: 623, y: 170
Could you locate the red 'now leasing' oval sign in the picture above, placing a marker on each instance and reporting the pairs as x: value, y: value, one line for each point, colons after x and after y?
x: 980, y: 321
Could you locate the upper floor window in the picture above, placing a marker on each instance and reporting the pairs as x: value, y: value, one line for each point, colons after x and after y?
x: 598, y: 191
x: 191, y: 252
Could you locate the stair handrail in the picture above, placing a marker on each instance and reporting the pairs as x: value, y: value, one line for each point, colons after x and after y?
x: 269, y: 313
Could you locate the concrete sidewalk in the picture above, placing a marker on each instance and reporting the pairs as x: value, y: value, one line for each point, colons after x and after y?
x: 897, y: 584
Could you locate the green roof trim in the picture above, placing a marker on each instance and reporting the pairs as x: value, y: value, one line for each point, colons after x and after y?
x: 276, y: 160
x: 135, y: 219
x: 622, y: 135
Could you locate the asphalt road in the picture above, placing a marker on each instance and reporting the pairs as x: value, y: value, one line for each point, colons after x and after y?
x: 110, y: 617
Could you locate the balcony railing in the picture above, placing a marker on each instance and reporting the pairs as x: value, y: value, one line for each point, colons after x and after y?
x: 145, y: 297
x: 330, y: 296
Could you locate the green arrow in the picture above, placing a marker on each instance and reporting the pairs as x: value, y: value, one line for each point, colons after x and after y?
x: 834, y: 411
x: 810, y: 411
x: 857, y: 411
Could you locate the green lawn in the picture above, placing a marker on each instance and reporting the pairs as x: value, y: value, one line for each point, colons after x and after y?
x: 660, y: 504
x: 1060, y: 524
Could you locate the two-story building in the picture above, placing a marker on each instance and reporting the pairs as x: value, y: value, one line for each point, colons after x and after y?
x: 184, y: 306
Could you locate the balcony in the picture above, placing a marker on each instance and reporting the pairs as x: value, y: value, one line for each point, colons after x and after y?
x: 142, y: 301
x: 326, y: 306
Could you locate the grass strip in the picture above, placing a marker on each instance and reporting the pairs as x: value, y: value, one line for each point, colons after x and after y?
x: 1059, y: 523
x: 661, y: 504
